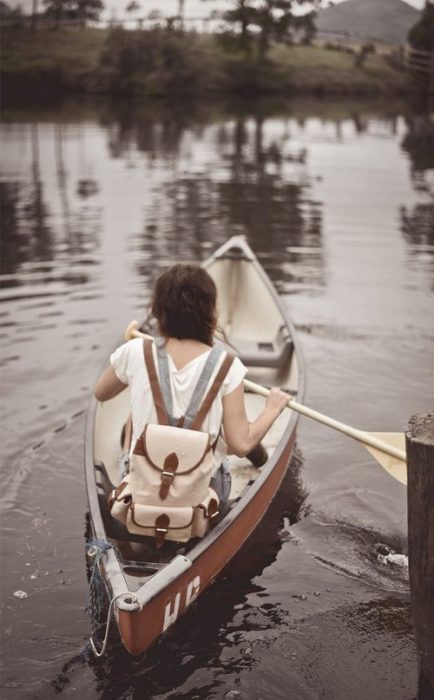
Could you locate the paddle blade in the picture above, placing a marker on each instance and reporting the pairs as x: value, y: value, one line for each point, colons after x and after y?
x: 396, y: 467
x: 131, y: 330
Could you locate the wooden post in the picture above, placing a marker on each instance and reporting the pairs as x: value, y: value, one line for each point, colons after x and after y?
x: 420, y: 497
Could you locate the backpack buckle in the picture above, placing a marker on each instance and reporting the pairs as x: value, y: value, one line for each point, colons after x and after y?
x: 167, y: 475
x: 161, y: 527
x: 171, y: 475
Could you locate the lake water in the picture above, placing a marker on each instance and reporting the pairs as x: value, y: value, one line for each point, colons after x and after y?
x: 337, y: 201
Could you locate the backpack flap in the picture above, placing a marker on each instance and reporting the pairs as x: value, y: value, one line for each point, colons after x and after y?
x: 161, y: 442
x: 180, y: 463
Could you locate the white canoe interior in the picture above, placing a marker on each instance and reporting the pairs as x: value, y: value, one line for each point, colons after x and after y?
x: 256, y: 328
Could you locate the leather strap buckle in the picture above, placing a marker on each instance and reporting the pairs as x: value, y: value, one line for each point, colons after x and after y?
x: 168, y: 474
x: 161, y: 526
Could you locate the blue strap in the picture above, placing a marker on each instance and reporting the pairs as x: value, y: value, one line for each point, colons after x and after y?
x: 202, y: 383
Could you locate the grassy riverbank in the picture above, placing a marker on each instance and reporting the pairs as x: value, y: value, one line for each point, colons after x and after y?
x: 158, y: 63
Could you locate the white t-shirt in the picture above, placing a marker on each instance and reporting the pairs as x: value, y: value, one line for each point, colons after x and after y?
x: 129, y: 364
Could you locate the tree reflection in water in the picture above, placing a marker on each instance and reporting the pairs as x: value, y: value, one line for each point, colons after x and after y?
x: 229, y: 175
x: 417, y: 224
x: 26, y: 234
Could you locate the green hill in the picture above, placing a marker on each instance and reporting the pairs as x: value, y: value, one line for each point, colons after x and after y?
x: 384, y: 21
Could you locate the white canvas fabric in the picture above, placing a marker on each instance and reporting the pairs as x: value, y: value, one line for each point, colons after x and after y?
x: 195, y: 462
x: 128, y: 363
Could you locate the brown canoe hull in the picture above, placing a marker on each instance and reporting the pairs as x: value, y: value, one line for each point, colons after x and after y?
x: 139, y: 629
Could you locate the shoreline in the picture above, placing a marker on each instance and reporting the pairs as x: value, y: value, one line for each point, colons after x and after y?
x: 45, y: 64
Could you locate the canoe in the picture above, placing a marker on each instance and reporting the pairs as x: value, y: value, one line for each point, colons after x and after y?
x: 149, y: 592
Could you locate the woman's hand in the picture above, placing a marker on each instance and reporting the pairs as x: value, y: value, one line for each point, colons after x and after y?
x: 277, y: 400
x: 242, y: 436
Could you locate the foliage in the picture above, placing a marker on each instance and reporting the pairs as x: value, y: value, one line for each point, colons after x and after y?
x: 421, y: 36
x: 132, y: 6
x: 87, y: 10
x: 37, y: 64
x: 271, y: 20
x: 81, y: 10
x: 158, y: 62
x: 241, y: 17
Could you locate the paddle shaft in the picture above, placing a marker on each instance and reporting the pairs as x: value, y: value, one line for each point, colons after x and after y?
x: 359, y: 435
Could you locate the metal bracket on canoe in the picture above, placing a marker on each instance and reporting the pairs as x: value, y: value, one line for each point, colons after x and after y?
x: 128, y: 602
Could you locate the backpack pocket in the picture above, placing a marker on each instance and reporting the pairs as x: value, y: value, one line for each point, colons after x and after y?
x: 178, y: 523
x: 152, y: 521
x: 120, y: 500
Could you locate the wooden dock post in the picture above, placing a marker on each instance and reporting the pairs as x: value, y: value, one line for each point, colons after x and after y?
x: 420, y: 498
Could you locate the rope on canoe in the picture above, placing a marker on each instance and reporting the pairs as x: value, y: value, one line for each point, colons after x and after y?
x: 98, y: 596
x: 101, y: 652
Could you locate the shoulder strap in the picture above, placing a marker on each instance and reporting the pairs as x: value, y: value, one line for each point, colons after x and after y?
x: 199, y: 390
x: 212, y: 393
x: 202, y: 383
x: 164, y: 374
x: 155, y: 384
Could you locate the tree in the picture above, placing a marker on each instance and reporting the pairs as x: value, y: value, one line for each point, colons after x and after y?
x: 57, y: 9
x: 274, y: 20
x: 242, y: 15
x: 132, y: 8
x: 81, y: 10
x: 181, y: 10
x: 421, y: 36
x: 34, y: 13
x: 87, y: 10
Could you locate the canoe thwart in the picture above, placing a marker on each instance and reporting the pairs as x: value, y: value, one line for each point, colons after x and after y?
x: 273, y: 353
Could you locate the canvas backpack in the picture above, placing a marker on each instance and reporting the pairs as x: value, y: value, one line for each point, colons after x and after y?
x: 166, y: 493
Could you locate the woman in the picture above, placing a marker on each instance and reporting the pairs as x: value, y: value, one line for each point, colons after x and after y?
x: 184, y: 305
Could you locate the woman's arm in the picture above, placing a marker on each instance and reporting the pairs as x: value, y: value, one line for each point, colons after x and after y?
x: 108, y: 385
x: 242, y: 436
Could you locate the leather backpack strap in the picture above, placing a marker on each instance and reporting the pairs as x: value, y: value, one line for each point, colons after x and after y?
x: 212, y: 392
x: 157, y: 395
x: 164, y: 378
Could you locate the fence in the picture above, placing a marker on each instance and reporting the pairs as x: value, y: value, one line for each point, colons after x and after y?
x: 421, y: 65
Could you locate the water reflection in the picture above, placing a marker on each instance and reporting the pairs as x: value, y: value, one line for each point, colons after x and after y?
x: 96, y: 200
x: 239, y: 176
x: 35, y: 210
x: 27, y: 234
x: 417, y: 222
x: 267, y: 197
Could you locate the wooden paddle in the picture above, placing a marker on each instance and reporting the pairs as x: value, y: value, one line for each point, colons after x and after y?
x: 387, y: 448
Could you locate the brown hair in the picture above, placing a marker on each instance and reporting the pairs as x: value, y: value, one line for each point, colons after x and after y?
x: 184, y: 303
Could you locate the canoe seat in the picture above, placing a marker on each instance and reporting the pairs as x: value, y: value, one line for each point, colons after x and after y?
x: 264, y: 353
